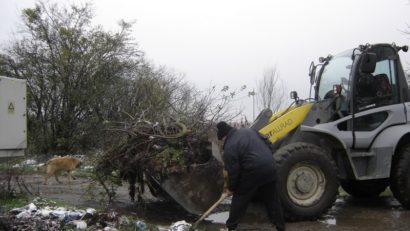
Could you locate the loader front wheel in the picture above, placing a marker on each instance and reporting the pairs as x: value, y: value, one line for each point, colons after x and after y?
x: 308, y: 179
x: 400, y: 176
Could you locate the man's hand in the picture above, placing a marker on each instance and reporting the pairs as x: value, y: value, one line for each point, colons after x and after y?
x: 228, y: 192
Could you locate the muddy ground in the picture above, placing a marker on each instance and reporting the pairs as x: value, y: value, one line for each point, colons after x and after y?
x: 348, y: 213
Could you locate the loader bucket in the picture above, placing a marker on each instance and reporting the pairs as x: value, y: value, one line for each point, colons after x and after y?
x: 198, y: 189
x: 202, y: 185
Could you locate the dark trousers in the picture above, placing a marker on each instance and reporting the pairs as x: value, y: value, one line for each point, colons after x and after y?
x: 268, y: 194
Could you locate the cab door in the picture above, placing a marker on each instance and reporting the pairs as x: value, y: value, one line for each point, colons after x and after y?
x: 376, y: 99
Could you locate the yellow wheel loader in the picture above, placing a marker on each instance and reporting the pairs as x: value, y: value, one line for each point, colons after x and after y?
x: 353, y: 131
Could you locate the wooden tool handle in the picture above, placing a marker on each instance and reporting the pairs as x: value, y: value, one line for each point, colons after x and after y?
x: 223, y: 196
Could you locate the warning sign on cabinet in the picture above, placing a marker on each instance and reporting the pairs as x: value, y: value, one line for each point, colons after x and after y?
x: 11, y: 108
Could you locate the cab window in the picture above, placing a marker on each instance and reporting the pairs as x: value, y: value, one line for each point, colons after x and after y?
x: 380, y: 87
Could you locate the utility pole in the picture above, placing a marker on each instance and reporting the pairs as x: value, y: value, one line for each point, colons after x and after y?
x: 252, y: 93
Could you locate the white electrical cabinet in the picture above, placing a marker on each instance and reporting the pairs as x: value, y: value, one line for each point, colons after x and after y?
x: 13, y: 117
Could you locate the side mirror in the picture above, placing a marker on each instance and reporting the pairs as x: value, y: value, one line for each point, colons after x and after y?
x: 368, y: 63
x: 312, y: 73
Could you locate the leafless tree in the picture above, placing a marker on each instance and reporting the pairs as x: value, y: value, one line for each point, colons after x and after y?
x: 271, y: 90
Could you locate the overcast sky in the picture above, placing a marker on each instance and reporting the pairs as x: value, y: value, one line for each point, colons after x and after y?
x: 231, y: 42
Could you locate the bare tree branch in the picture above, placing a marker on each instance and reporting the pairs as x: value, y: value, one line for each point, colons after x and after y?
x: 271, y: 90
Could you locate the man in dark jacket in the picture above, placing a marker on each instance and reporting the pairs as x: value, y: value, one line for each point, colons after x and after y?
x: 251, y: 172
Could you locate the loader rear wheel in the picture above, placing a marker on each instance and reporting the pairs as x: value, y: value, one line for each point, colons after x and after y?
x: 308, y: 179
x: 400, y: 176
x: 365, y: 188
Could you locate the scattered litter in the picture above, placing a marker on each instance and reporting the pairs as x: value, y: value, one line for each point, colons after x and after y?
x: 90, y: 211
x: 72, y: 216
x: 112, y: 214
x: 123, y: 220
x: 31, y: 207
x: 180, y: 226
x: 162, y: 228
x: 110, y: 229
x: 47, y: 218
x: 340, y: 200
x: 339, y: 204
x: 16, y: 211
x: 34, y: 217
x: 88, y: 167
x: 24, y: 215
x: 328, y: 220
x: 140, y: 225
x: 45, y: 212
x: 29, y: 162
x: 79, y: 224
x: 39, y: 166
x: 59, y: 213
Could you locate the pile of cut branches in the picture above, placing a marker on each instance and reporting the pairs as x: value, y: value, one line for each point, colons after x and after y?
x: 146, y: 153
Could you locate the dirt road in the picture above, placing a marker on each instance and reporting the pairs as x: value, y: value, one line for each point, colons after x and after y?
x: 348, y: 214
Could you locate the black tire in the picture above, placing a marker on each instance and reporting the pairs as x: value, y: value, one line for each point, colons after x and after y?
x: 364, y: 188
x: 308, y: 181
x: 400, y: 176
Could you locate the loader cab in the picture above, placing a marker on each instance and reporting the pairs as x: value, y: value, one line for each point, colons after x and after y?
x: 359, y: 93
x: 360, y: 79
x: 376, y: 81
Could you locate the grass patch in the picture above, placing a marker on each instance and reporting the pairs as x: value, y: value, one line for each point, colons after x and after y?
x: 43, y: 202
x: 16, y: 201
x: 84, y: 172
x: 7, y: 163
x: 18, y: 164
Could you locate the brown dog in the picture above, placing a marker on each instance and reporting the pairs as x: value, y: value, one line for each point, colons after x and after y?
x: 58, y: 164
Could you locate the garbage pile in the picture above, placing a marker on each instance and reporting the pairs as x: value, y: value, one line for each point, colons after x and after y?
x: 31, y: 217
x: 180, y: 226
x: 34, y: 217
x: 49, y: 218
